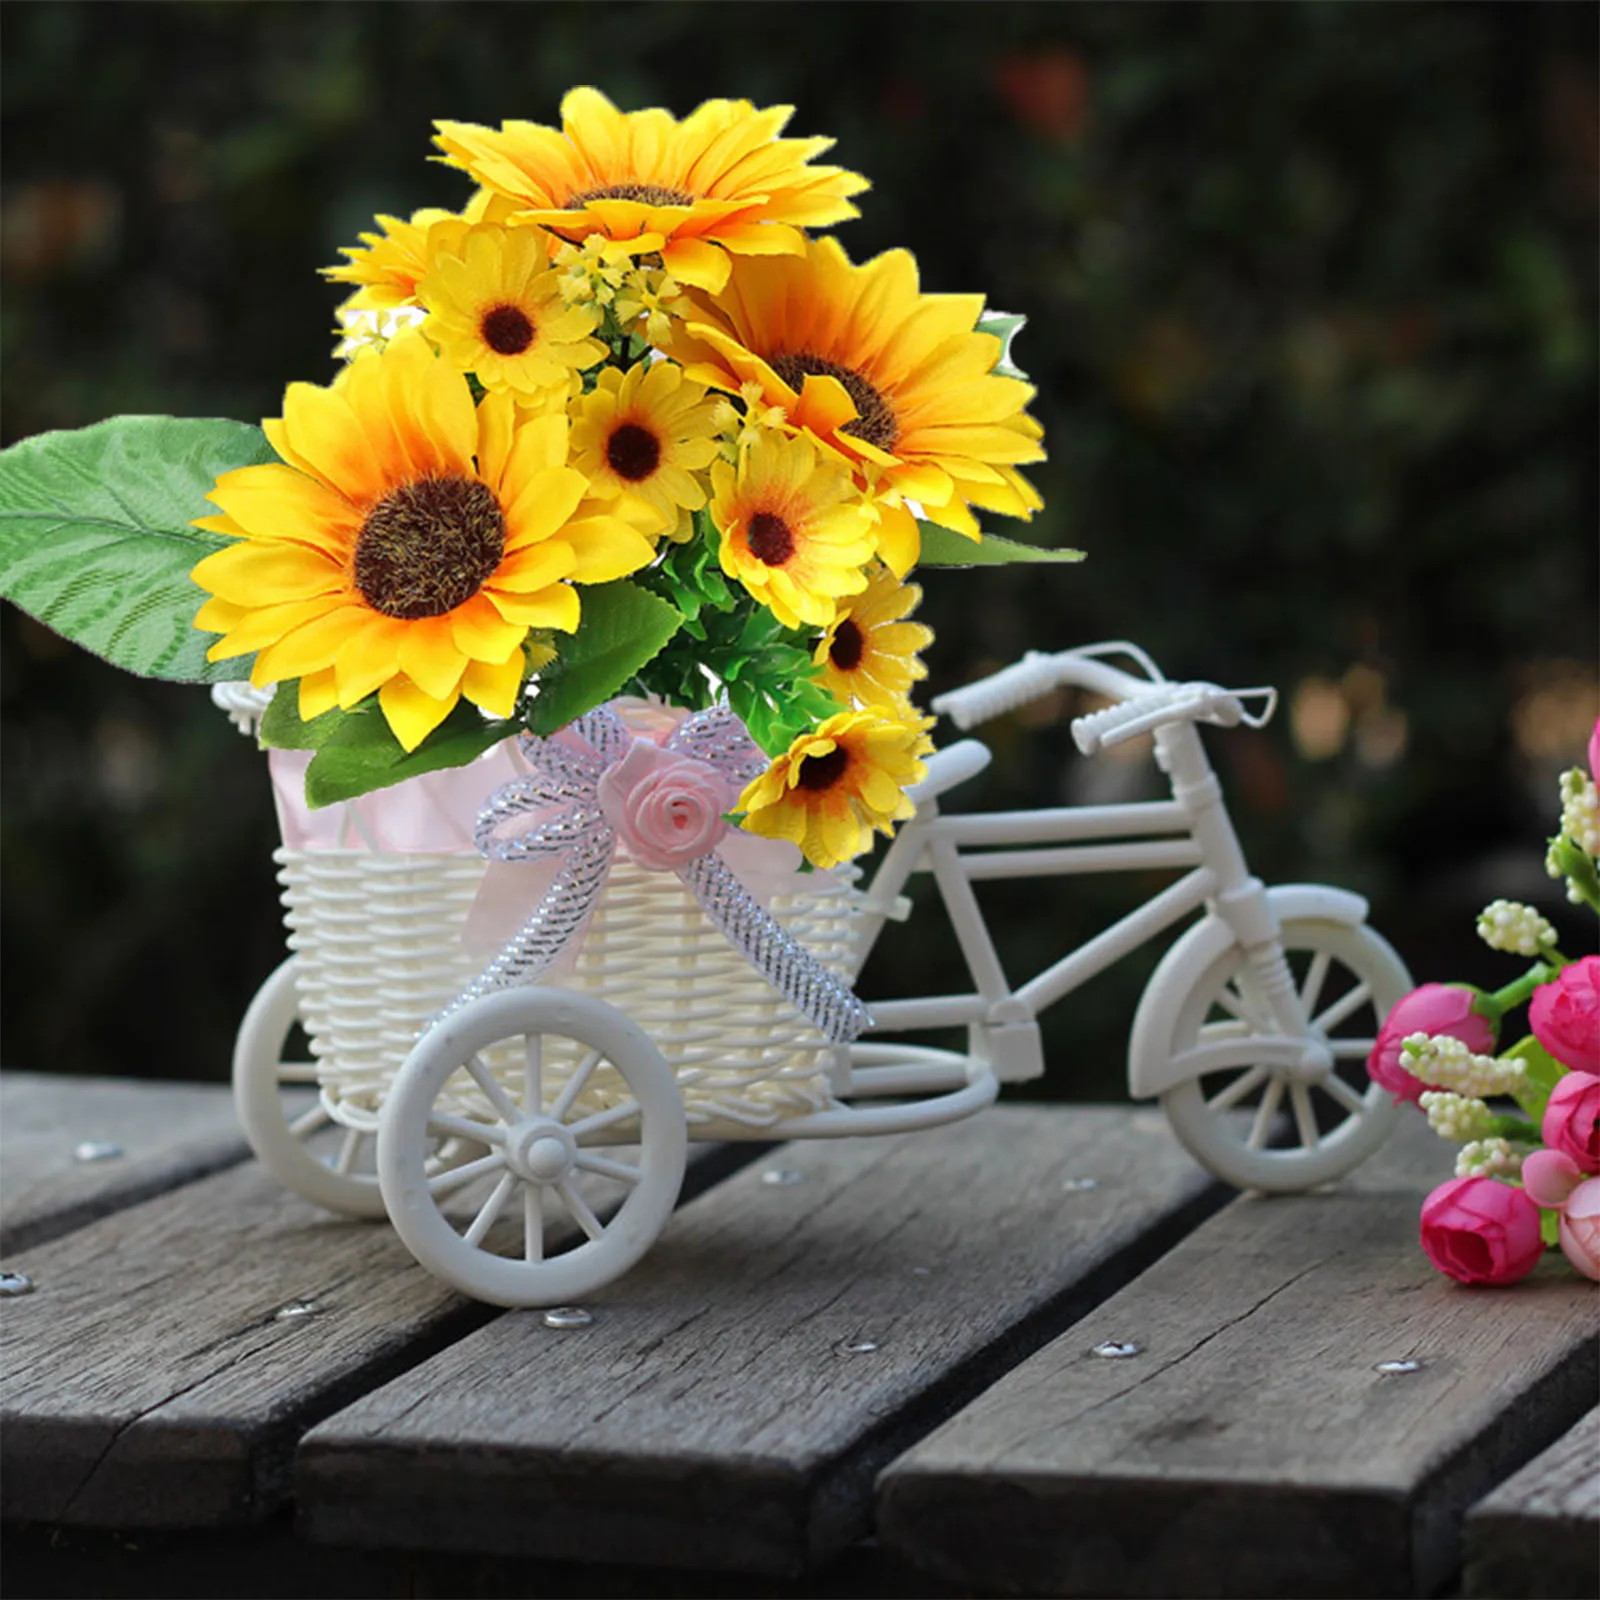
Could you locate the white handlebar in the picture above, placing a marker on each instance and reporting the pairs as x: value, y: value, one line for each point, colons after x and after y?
x: 1171, y: 702
x: 1028, y: 679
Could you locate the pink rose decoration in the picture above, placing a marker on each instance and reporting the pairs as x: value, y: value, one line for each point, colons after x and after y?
x: 1580, y: 1228
x: 1478, y: 1231
x: 1565, y: 1015
x: 1594, y: 751
x: 666, y: 810
x: 1572, y: 1120
x: 1434, y: 1008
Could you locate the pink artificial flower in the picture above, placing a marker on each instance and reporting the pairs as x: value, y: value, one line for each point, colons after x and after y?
x: 1594, y: 751
x: 1434, y: 1008
x: 1572, y: 1119
x: 1565, y: 1015
x: 665, y: 809
x: 1476, y: 1230
x: 1580, y: 1228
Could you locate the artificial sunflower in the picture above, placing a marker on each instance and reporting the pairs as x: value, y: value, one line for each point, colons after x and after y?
x: 869, y: 653
x: 891, y: 378
x: 495, y: 309
x: 834, y: 785
x: 387, y: 266
x: 721, y: 180
x: 643, y: 435
x: 406, y: 543
x: 793, y: 529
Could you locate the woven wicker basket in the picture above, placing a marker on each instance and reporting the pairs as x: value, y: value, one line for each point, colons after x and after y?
x: 378, y: 940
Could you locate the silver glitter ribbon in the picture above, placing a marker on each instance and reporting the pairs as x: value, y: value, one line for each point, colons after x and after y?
x: 564, y: 778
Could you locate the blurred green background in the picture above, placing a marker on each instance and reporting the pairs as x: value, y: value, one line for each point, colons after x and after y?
x: 1312, y: 300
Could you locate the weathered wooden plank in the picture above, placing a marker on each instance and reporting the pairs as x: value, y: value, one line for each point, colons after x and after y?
x: 167, y: 1134
x: 1258, y: 1443
x: 734, y: 1395
x: 171, y: 1355
x: 1537, y: 1537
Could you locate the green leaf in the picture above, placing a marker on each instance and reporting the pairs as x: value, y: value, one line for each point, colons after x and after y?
x: 943, y: 548
x: 1005, y: 326
x: 621, y: 629
x: 358, y: 752
x: 95, y: 539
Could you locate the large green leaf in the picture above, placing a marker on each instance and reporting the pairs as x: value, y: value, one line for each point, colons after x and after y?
x: 356, y: 751
x: 942, y: 548
x: 622, y: 628
x: 95, y: 538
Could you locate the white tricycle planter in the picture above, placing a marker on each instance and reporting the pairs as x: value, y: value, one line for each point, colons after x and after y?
x: 530, y: 1145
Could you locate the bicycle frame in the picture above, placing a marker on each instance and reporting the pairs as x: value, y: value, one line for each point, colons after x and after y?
x: 1192, y: 830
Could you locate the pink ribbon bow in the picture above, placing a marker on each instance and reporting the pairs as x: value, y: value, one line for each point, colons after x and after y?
x: 595, y: 787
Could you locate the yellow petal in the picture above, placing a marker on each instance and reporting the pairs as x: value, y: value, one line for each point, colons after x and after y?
x: 259, y: 573
x: 368, y: 658
x: 494, y: 686
x: 318, y: 693
x: 311, y: 646
x: 411, y: 713
x: 482, y: 633
x: 556, y: 607
x: 430, y: 657
x: 693, y: 261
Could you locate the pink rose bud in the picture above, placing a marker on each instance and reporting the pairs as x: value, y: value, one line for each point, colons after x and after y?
x: 1572, y: 1119
x: 1594, y: 751
x: 1434, y: 1008
x: 666, y: 810
x: 1478, y: 1231
x: 1550, y: 1177
x: 1565, y: 1015
x: 1580, y: 1228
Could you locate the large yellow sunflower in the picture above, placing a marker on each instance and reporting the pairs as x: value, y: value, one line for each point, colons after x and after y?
x: 721, y: 180
x: 834, y: 785
x: 495, y: 309
x: 645, y: 435
x: 794, y: 532
x: 405, y: 544
x: 387, y: 266
x: 895, y: 380
x: 869, y: 654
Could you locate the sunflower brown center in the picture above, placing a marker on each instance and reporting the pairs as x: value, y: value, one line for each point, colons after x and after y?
x: 769, y: 538
x: 506, y: 330
x: 428, y: 546
x: 874, y: 420
x: 650, y: 194
x: 848, y: 646
x: 633, y: 452
x: 822, y: 772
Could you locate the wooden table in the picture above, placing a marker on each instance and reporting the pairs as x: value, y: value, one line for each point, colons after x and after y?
x: 1035, y: 1353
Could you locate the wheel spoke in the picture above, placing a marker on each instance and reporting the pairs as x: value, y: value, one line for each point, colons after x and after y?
x: 492, y: 1088
x: 607, y: 1168
x: 1346, y: 1094
x: 349, y: 1150
x: 442, y: 1124
x: 1244, y: 1084
x: 309, y: 1122
x: 574, y: 1086
x: 1271, y: 1097
x: 1305, y: 1116
x: 533, y: 1074
x: 491, y: 1209
x: 1231, y: 1001
x: 603, y: 1119
x: 1352, y: 1049
x: 1316, y: 975
x: 1345, y: 1006
x: 467, y: 1172
x: 579, y: 1207
x: 532, y: 1224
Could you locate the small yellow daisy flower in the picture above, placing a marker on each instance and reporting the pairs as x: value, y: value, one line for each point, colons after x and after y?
x: 869, y: 654
x: 834, y: 785
x: 793, y: 532
x: 643, y: 436
x: 592, y: 272
x: 652, y: 297
x: 495, y: 310
x: 387, y: 266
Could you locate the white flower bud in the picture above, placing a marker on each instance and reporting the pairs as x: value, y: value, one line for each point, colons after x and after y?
x: 1456, y: 1117
x: 1517, y: 929
x: 1490, y: 1158
x: 1444, y: 1062
x: 1580, y: 810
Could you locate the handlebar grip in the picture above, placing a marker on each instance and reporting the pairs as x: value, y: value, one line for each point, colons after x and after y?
x: 1101, y: 729
x: 1028, y: 679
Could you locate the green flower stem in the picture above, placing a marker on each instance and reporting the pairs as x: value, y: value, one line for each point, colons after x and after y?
x: 1518, y: 1129
x: 1503, y: 1000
